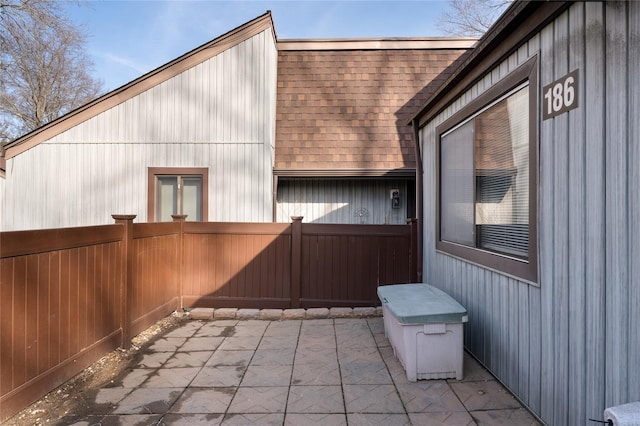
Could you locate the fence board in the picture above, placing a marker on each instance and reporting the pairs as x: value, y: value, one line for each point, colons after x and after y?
x: 346, y: 263
x: 239, y: 263
x: 19, y: 345
x: 55, y: 311
x: 6, y: 303
x: 249, y: 265
x: 63, y: 292
x: 155, y: 272
x: 51, y: 328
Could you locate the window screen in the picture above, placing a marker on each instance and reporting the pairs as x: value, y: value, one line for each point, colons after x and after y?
x: 484, y: 178
x: 178, y: 195
x: 457, y: 190
x: 486, y: 189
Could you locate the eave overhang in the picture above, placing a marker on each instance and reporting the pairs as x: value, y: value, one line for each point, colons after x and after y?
x: 516, y: 25
x: 344, y: 173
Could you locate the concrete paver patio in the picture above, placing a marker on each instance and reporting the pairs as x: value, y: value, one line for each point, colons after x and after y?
x: 296, y: 372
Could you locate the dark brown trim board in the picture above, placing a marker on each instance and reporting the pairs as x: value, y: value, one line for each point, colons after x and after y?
x: 525, y: 269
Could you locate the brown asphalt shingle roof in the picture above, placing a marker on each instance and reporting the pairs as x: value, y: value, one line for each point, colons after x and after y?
x: 348, y: 109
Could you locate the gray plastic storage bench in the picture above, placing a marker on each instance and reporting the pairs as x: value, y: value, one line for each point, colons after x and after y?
x: 424, y: 326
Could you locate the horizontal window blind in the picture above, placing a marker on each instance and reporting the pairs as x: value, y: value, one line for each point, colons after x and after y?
x: 484, y: 178
x: 502, y: 175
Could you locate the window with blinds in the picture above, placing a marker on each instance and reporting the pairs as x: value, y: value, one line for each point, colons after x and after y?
x: 484, y: 178
x: 502, y: 175
x: 486, y: 188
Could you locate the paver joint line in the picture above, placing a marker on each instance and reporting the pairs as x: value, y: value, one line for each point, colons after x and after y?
x: 320, y: 369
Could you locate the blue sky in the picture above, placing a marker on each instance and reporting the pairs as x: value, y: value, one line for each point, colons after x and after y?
x: 128, y: 38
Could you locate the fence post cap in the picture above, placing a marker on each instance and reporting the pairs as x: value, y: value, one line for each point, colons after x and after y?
x: 123, y: 216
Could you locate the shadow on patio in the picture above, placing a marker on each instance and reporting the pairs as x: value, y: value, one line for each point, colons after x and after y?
x: 329, y: 371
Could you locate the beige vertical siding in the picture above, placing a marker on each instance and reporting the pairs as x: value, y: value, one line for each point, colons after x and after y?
x: 567, y: 346
x: 341, y: 201
x: 219, y: 114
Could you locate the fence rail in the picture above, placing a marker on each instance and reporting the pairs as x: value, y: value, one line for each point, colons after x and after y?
x: 68, y: 296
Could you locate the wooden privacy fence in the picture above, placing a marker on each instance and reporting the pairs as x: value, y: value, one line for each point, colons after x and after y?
x: 69, y: 296
x: 277, y: 265
x: 60, y: 293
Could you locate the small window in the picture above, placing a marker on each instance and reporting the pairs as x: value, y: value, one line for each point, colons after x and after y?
x: 487, y: 157
x: 177, y: 191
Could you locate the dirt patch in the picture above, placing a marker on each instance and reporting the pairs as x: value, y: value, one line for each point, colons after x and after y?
x: 72, y: 397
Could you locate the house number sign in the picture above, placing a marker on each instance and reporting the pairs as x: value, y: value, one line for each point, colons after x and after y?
x: 560, y: 96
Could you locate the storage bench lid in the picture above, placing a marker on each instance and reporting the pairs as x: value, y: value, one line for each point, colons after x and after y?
x: 421, y: 304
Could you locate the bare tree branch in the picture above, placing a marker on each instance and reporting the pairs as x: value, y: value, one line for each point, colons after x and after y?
x: 44, y: 70
x: 471, y: 18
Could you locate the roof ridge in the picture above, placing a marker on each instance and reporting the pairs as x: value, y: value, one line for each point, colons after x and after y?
x: 377, y: 43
